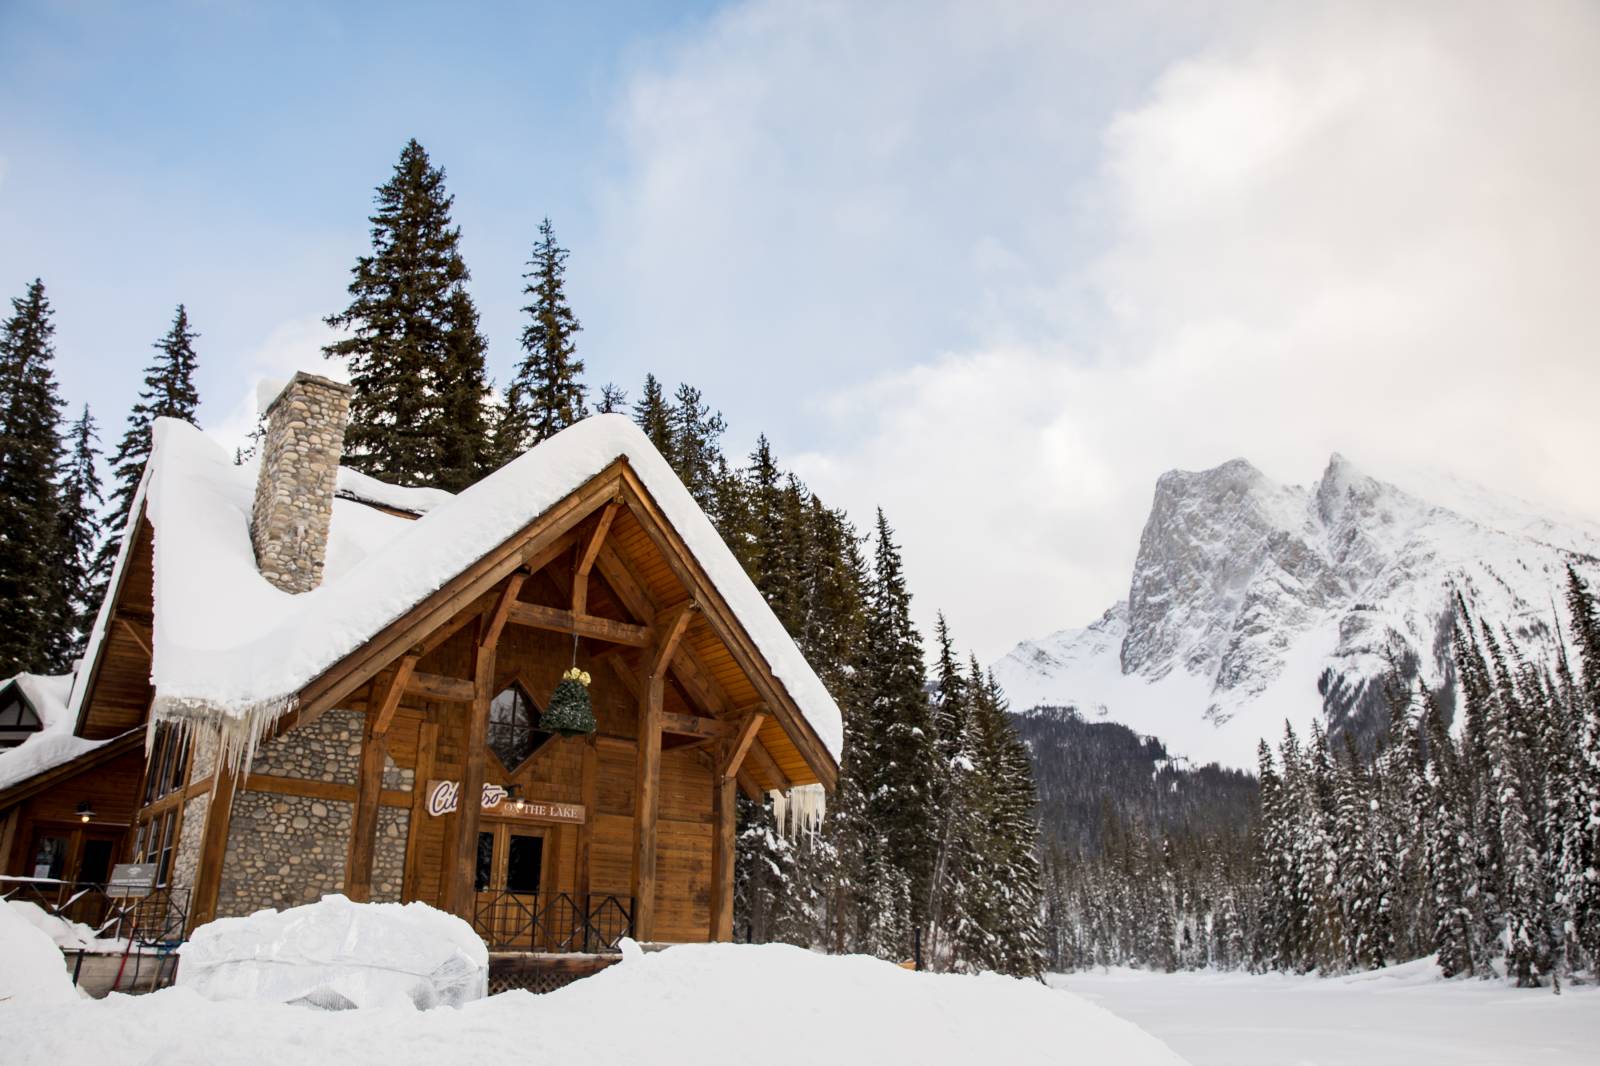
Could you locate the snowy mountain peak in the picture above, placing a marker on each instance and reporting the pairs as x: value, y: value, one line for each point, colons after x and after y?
x: 1251, y: 601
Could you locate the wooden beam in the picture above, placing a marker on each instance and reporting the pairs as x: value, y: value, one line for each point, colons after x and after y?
x: 748, y: 786
x: 536, y: 616
x: 764, y: 764
x: 460, y: 872
x: 586, y: 557
x: 437, y: 687
x: 497, y: 619
x: 686, y: 665
x: 138, y: 631
x: 381, y: 708
x: 741, y: 744
x: 692, y: 725
x: 671, y: 624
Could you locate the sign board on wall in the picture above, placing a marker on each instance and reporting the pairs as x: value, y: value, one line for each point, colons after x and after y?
x: 131, y: 879
x: 444, y: 795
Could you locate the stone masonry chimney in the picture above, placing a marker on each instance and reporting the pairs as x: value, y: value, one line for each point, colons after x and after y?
x: 294, y: 489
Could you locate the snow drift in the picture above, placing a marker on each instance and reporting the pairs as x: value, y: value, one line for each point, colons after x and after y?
x: 338, y: 955
x: 32, y: 970
x: 692, y: 1005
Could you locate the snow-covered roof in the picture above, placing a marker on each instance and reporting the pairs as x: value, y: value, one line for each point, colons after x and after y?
x: 228, y: 644
x: 54, y: 744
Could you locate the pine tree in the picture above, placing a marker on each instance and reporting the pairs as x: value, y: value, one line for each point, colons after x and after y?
x: 696, y: 436
x: 415, y: 355
x: 612, y: 399
x: 899, y: 751
x: 653, y: 415
x: 169, y: 392
x: 35, y: 612
x: 1581, y: 847
x: 78, y: 539
x: 545, y: 395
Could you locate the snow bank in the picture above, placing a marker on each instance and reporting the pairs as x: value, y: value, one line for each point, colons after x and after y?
x: 231, y: 648
x: 32, y: 969
x: 54, y: 744
x: 338, y: 954
x: 695, y: 1005
x: 63, y: 933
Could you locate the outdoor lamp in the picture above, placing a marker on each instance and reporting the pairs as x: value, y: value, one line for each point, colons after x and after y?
x: 85, y: 812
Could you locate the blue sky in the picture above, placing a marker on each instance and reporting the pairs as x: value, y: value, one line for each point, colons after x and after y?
x: 992, y: 266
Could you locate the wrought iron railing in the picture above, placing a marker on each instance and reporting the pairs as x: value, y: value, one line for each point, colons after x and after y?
x: 552, y: 922
x: 158, y: 918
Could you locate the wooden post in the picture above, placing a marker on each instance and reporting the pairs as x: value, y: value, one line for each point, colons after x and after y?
x: 590, y: 789
x: 213, y: 847
x: 726, y: 810
x: 427, y: 742
x: 459, y: 895
x: 646, y: 806
x: 364, y: 826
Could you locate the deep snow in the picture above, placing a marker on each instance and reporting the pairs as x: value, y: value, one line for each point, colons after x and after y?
x: 699, y: 1004
x: 1401, y: 1016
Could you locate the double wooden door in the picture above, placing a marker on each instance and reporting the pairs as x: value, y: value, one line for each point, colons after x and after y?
x: 510, y: 882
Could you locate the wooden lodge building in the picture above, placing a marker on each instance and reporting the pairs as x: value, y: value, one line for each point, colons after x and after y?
x: 299, y: 673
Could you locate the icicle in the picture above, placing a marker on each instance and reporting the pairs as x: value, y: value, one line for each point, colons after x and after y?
x: 799, y: 810
x: 238, y: 729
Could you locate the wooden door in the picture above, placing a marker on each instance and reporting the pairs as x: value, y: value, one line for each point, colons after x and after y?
x: 509, y: 882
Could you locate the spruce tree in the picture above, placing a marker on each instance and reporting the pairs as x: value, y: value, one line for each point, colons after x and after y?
x: 78, y: 540
x: 414, y: 352
x: 546, y: 394
x: 612, y: 399
x: 696, y: 443
x: 653, y: 414
x: 169, y: 392
x: 35, y: 612
x: 899, y: 751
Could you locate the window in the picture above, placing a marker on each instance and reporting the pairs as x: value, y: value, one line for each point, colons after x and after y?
x: 169, y: 762
x: 155, y: 843
x: 514, y: 732
x: 17, y: 721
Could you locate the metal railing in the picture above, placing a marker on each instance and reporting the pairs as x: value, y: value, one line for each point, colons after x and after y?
x: 149, y: 920
x: 552, y: 922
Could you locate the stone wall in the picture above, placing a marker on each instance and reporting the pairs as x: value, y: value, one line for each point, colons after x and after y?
x: 284, y: 851
x: 186, y: 856
x: 329, y: 749
x: 206, y: 740
x: 389, y: 854
x: 294, y: 487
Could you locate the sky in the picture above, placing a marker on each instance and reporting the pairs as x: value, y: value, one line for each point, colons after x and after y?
x: 990, y: 266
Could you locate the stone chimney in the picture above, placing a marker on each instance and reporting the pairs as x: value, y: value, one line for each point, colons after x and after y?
x: 294, y: 489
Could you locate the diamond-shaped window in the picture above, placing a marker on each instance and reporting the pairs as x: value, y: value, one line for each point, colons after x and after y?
x: 514, y: 732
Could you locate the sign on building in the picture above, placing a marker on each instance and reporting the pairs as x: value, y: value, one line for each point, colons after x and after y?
x: 443, y: 796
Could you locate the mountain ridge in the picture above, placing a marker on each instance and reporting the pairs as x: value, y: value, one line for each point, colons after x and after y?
x: 1252, y: 601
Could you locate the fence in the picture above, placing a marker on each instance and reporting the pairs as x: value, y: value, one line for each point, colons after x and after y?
x: 556, y: 923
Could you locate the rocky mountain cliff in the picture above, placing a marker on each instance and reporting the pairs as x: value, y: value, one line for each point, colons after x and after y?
x: 1251, y: 602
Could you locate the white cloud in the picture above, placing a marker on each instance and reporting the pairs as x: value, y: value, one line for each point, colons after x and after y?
x: 1295, y: 229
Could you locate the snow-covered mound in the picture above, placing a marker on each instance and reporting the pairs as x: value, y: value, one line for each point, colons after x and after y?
x: 704, y: 1005
x: 339, y: 954
x: 1251, y: 602
x: 32, y: 970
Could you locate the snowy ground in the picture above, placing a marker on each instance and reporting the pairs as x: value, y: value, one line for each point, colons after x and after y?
x: 1404, y: 1015
x: 704, y: 1005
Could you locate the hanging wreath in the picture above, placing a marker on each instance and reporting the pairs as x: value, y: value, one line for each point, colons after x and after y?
x: 570, y: 713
